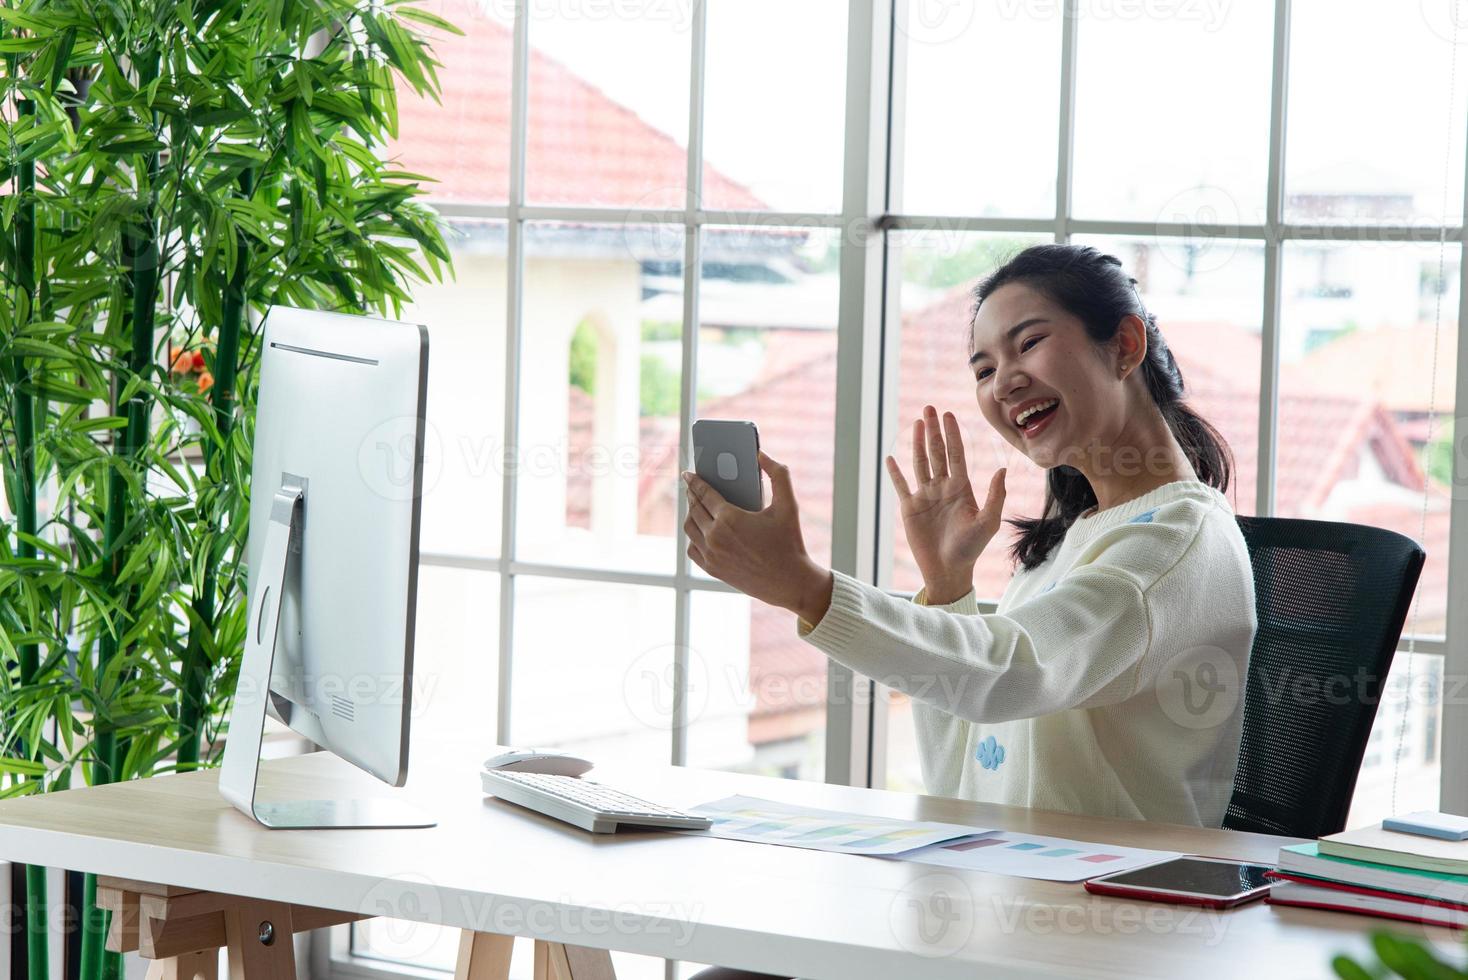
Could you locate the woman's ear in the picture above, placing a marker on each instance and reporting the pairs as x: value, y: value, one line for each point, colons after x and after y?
x: 1131, y: 344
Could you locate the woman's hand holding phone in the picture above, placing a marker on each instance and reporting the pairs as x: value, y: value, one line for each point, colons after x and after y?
x: 946, y: 528
x: 761, y: 553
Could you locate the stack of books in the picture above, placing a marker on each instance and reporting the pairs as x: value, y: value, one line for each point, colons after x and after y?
x: 1377, y: 872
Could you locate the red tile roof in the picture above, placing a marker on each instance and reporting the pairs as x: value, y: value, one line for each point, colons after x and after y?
x: 1392, y: 365
x: 582, y: 147
x: 1320, y: 437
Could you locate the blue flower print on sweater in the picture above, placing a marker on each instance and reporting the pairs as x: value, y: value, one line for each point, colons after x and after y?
x: 1143, y: 518
x: 990, y: 753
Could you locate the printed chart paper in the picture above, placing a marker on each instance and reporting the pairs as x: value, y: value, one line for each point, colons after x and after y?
x: 770, y: 822
x: 1029, y: 856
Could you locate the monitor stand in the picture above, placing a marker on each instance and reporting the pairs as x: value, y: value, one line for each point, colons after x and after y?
x: 237, y: 778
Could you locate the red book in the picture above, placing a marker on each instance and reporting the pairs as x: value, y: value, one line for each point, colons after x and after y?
x: 1337, y: 896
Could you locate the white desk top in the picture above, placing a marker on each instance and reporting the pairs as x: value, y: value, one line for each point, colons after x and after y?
x: 500, y: 868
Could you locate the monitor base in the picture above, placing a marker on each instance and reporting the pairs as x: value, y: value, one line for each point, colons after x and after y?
x: 340, y: 814
x: 238, y: 776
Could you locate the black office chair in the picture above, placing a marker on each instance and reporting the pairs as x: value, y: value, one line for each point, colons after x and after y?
x: 1331, y: 600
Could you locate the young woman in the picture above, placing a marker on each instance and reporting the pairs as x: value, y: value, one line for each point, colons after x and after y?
x: 1109, y: 681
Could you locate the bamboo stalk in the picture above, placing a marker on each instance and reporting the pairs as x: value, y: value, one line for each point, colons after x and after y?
x: 141, y: 259
x: 25, y: 485
x: 139, y: 255
x: 226, y: 367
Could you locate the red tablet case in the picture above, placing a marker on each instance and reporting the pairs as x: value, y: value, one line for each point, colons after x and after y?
x: 1122, y: 891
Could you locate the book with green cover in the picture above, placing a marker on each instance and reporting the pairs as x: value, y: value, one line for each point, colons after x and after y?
x: 1308, y: 859
x: 1396, y: 848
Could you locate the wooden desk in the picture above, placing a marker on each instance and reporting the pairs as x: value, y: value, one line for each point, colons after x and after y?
x: 501, y: 870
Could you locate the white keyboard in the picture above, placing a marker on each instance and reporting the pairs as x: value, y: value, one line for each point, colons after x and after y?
x: 586, y: 804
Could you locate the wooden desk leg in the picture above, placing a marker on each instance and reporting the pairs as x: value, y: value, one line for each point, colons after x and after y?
x: 260, y: 941
x: 578, y: 963
x: 203, y: 965
x: 542, y: 961
x: 483, y: 956
x: 180, y: 930
x: 486, y: 956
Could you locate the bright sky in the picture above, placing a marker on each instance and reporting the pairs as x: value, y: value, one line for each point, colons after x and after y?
x: 1171, y: 95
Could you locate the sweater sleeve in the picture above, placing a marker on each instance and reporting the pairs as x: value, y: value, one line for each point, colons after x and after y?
x: 1079, y: 645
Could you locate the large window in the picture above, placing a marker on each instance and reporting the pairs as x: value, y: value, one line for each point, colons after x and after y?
x: 645, y: 232
x: 774, y: 211
x: 1343, y: 290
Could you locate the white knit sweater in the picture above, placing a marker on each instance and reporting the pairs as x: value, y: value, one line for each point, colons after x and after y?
x: 1109, y: 681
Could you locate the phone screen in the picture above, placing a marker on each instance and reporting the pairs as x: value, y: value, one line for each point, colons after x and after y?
x: 1216, y: 878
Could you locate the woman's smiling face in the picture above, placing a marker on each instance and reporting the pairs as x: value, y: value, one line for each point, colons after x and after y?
x: 1029, y: 350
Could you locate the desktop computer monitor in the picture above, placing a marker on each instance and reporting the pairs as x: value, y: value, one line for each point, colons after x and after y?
x: 336, y: 480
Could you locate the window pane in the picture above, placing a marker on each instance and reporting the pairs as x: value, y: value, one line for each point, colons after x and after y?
x: 1369, y: 145
x: 592, y: 668
x: 1358, y: 395
x: 456, y: 656
x: 463, y: 140
x: 1408, y: 725
x: 406, y: 942
x: 1207, y: 295
x: 600, y: 379
x: 757, y: 692
x: 463, y: 453
x: 904, y: 764
x: 1151, y: 149
x: 998, y: 159
x: 767, y: 353
x: 775, y: 76
x: 608, y: 104
x: 455, y: 691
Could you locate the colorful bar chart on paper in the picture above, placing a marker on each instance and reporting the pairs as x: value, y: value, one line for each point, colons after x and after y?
x: 1029, y: 856
x: 771, y: 822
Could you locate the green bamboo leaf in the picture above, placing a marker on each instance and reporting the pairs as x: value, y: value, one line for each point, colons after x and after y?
x: 62, y: 393
x: 64, y: 48
x: 424, y: 17
x: 38, y: 25
x: 50, y: 548
x: 139, y: 556
x: 129, y: 146
x: 21, y: 767
x: 99, y: 423
x: 220, y: 117
x: 302, y: 76
x: 161, y: 568
x: 37, y: 348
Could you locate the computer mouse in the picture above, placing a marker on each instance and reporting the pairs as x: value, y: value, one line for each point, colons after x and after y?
x: 539, y: 760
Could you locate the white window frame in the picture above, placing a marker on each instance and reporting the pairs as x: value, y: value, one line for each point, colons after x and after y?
x: 1272, y: 235
x: 869, y: 339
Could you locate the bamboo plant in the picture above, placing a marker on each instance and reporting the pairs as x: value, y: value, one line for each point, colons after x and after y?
x: 173, y: 168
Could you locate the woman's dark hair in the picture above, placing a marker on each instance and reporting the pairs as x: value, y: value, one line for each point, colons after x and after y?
x: 1092, y: 286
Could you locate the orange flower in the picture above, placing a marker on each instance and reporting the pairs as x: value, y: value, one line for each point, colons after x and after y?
x: 182, y: 362
x: 206, y: 381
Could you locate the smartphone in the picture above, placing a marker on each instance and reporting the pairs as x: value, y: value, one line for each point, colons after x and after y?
x: 726, y: 456
x: 1213, y: 882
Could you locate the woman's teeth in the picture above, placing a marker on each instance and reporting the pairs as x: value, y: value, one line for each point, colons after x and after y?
x: 1030, y: 413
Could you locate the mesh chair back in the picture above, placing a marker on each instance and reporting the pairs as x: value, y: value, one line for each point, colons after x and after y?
x: 1331, y: 600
